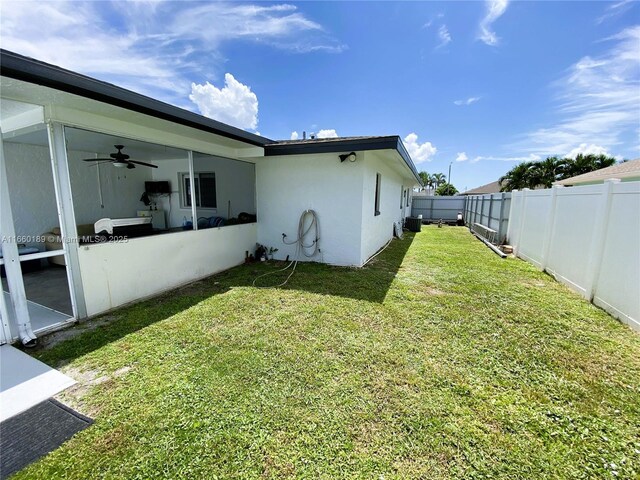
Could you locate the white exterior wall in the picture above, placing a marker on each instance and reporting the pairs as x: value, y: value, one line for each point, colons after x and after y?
x: 588, y: 237
x: 343, y: 196
x: 289, y: 184
x: 114, y: 274
x: 377, y: 230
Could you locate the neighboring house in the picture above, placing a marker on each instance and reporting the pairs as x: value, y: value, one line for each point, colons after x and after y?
x: 493, y: 187
x: 207, y: 174
x: 626, y: 171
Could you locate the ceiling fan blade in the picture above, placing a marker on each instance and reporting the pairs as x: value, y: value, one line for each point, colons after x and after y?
x: 143, y: 163
x: 97, y: 160
x: 100, y: 163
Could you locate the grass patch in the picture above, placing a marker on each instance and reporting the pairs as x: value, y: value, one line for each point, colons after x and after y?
x: 437, y: 360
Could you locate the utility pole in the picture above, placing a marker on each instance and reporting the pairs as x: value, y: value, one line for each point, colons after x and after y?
x: 449, y: 177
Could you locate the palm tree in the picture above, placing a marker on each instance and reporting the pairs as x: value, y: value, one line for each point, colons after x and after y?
x: 517, y: 178
x: 426, y: 179
x: 547, y: 171
x: 439, y: 179
x: 587, y: 163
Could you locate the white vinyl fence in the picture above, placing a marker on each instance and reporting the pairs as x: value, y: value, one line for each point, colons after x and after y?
x: 587, y: 237
x: 491, y: 211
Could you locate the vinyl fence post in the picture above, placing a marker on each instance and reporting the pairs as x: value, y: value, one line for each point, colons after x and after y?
x: 501, y: 236
x: 512, y: 208
x: 431, y: 209
x: 599, y: 239
x: 549, y: 228
x: 516, y: 247
x: 490, y: 210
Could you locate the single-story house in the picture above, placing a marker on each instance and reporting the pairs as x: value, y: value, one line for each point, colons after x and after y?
x: 177, y: 195
x: 628, y: 171
x: 493, y: 187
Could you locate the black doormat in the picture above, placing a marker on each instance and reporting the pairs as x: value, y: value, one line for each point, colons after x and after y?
x: 36, y: 432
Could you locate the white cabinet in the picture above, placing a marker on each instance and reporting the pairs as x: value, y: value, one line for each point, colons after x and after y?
x: 158, y: 218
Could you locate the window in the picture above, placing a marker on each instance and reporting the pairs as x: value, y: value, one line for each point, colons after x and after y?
x: 205, y: 186
x: 376, y: 210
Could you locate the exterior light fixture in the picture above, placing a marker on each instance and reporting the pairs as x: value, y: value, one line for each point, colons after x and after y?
x: 348, y: 156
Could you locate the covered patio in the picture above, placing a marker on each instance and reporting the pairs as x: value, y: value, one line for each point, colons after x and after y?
x: 109, y: 197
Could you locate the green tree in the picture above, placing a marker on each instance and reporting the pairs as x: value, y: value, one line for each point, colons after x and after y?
x: 551, y: 169
x: 446, y: 190
x: 517, y: 178
x: 425, y: 177
x: 439, y: 179
x: 588, y: 163
x: 547, y: 171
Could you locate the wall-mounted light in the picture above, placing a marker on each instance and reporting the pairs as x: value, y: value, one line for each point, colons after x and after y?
x: 348, y: 156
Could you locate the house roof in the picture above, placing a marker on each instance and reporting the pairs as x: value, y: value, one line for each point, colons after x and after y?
x: 630, y: 169
x: 342, y: 144
x: 493, y: 187
x: 26, y: 69
x: 19, y: 67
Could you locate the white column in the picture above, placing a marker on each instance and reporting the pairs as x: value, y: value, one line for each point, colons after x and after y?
x: 550, y: 227
x: 596, y: 251
x: 66, y: 216
x: 192, y: 186
x: 11, y: 260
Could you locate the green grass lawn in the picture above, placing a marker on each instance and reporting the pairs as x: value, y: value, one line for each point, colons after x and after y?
x: 438, y: 360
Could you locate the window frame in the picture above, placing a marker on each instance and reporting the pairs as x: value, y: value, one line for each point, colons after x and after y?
x: 376, y: 205
x: 185, y: 187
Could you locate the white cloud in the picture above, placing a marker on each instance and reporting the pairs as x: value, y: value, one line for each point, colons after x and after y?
x: 585, y: 149
x: 294, y: 135
x: 419, y: 152
x: 234, y: 103
x: 331, y: 133
x: 615, y: 9
x: 155, y: 48
x: 528, y: 158
x: 597, y: 101
x: 495, y: 9
x: 468, y: 101
x: 462, y: 157
x: 444, y: 36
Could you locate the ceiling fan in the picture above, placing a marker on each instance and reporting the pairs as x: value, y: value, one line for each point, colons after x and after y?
x: 120, y: 160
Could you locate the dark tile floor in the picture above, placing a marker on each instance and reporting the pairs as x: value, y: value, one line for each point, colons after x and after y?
x: 47, y: 286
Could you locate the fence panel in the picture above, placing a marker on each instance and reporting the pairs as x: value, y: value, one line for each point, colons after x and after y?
x: 587, y: 237
x: 491, y: 210
x: 435, y: 208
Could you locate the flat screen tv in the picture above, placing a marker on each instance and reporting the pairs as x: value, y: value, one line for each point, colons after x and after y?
x: 155, y: 188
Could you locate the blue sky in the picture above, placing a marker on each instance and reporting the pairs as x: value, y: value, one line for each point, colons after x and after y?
x: 480, y: 84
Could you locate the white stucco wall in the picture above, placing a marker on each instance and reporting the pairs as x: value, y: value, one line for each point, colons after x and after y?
x: 33, y: 197
x: 289, y: 184
x: 114, y: 274
x: 235, y: 183
x: 378, y: 229
x: 343, y: 196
